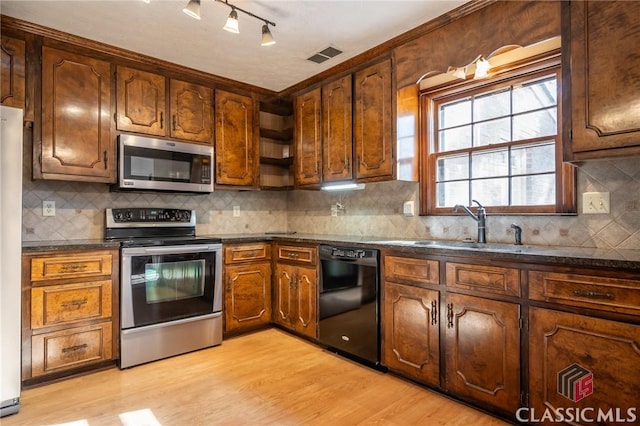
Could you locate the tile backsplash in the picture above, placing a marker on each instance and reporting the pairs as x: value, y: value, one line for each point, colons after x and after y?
x: 374, y: 211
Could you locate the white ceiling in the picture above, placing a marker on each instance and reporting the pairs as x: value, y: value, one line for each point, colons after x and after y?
x: 303, y: 27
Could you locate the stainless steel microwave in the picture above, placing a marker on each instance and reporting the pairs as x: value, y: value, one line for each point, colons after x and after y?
x: 164, y: 165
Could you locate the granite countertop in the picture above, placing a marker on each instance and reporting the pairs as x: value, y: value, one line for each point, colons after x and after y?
x: 554, y: 255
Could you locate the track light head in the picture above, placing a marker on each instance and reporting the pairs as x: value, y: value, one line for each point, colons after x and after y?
x: 232, y: 22
x: 267, y: 38
x: 193, y: 9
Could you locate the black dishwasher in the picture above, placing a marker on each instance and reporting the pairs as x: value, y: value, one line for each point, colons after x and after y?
x: 349, y: 303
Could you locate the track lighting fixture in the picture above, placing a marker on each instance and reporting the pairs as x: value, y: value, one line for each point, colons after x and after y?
x: 482, y: 67
x: 232, y: 25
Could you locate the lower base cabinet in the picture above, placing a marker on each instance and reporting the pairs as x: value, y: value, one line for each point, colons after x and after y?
x: 411, y: 332
x: 583, y: 369
x: 483, y: 351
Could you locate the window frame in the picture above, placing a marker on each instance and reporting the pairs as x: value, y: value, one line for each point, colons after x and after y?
x: 429, y: 99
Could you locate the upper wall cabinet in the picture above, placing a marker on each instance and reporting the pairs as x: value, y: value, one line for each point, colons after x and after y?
x: 337, y: 135
x: 605, y: 79
x: 76, y: 127
x: 142, y: 107
x: 237, y: 156
x: 308, y: 138
x: 12, y: 86
x: 372, y: 122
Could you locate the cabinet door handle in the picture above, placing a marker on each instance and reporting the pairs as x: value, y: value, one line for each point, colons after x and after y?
x: 161, y: 120
x: 449, y: 315
x: 74, y: 303
x: 106, y: 159
x: 593, y: 294
x: 74, y: 267
x: 74, y: 348
x: 434, y: 312
x: 174, y: 122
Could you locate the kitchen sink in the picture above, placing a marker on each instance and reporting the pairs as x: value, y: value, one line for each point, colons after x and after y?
x: 462, y: 245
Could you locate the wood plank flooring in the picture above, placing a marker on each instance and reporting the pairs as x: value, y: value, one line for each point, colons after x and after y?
x: 264, y: 378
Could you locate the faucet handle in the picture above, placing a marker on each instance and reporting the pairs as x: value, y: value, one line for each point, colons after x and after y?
x: 478, y: 203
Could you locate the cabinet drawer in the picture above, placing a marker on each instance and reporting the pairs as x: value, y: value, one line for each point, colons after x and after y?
x: 411, y: 270
x: 610, y: 294
x: 306, y: 255
x: 71, y: 266
x: 70, y: 348
x: 60, y: 304
x: 493, y: 279
x: 247, y: 253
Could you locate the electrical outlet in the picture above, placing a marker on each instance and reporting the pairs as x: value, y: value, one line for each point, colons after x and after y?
x: 334, y: 210
x: 596, y: 203
x: 48, y: 208
x: 236, y: 211
x: 407, y: 208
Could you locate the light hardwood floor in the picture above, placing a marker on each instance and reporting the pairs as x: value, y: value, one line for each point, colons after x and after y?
x: 264, y: 378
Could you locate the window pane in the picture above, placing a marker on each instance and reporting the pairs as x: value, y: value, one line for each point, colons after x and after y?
x: 452, y: 167
x: 535, y: 124
x: 529, y: 159
x: 497, y: 104
x: 494, y: 131
x: 540, y: 94
x: 533, y: 190
x: 455, y: 114
x: 490, y: 163
x: 491, y: 192
x: 448, y: 194
x: 456, y: 138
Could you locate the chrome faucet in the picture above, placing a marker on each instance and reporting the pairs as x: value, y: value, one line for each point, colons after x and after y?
x: 481, y: 218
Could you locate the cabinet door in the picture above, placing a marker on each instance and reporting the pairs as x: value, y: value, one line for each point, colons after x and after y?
x: 191, y: 112
x: 247, y: 296
x: 308, y: 139
x: 235, y: 147
x: 372, y: 122
x: 76, y: 105
x: 12, y: 85
x: 337, y: 135
x: 583, y: 363
x: 483, y: 350
x: 306, y: 318
x: 141, y: 102
x: 410, y: 332
x: 605, y: 77
x: 284, y: 305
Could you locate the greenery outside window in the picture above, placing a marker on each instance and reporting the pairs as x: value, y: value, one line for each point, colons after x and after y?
x: 497, y: 141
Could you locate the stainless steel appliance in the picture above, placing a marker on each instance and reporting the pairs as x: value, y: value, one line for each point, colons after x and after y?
x: 164, y: 165
x: 170, y: 284
x: 349, y: 303
x: 10, y: 254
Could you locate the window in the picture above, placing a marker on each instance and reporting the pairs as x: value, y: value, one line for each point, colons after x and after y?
x: 498, y: 142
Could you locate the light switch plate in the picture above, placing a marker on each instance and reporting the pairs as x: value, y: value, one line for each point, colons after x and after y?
x: 596, y: 203
x: 407, y: 208
x: 236, y: 211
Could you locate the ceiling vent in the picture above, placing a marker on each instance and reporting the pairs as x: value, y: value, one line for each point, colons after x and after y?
x: 324, y: 55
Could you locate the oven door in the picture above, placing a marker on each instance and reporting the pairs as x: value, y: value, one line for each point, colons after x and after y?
x: 166, y: 283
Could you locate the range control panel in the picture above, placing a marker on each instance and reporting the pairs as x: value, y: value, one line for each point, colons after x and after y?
x: 148, y: 215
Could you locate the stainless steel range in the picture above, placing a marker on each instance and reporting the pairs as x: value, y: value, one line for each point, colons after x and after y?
x: 170, y: 281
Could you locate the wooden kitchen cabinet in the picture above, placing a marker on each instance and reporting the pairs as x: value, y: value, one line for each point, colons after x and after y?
x: 308, y: 139
x: 141, y: 102
x: 237, y: 156
x: 247, y: 281
x: 70, y: 313
x: 76, y: 131
x: 337, y: 134
x: 411, y: 325
x: 296, y: 289
x: 12, y: 73
x: 142, y: 106
x: 583, y: 363
x: 372, y: 137
x: 482, y: 350
x: 604, y: 71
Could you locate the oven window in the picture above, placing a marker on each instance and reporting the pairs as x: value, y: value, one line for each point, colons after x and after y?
x: 171, y: 286
x: 174, y: 281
